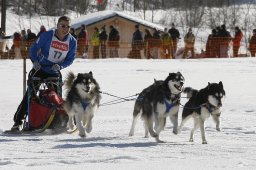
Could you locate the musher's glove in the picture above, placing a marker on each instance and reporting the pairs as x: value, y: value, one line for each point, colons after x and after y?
x: 36, y: 65
x: 56, y: 67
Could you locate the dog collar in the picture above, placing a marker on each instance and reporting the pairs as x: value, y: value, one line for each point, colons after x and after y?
x: 175, y: 98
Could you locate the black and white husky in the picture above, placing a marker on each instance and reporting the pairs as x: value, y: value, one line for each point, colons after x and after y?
x: 157, y: 102
x: 202, y: 104
x: 82, y: 100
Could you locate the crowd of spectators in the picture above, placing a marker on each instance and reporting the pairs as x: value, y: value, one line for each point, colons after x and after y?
x: 153, y: 43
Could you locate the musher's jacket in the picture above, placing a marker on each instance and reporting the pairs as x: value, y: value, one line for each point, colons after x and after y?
x: 49, y: 50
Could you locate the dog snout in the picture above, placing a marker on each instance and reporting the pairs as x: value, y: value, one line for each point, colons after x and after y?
x: 87, y: 88
x: 220, y: 105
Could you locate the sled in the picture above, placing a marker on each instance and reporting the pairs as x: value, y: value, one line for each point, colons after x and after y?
x: 45, y: 107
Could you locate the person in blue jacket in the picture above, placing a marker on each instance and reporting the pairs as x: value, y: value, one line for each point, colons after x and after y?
x: 53, y: 50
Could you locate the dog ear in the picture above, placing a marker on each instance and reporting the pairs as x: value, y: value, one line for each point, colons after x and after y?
x: 90, y: 73
x: 154, y: 80
x: 79, y: 75
x: 208, y: 85
x: 221, y: 85
x: 222, y: 88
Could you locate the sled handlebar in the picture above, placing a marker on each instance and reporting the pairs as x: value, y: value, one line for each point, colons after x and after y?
x: 45, y: 79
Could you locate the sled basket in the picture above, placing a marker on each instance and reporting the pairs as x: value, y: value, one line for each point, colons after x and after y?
x: 39, y: 114
x: 45, y: 105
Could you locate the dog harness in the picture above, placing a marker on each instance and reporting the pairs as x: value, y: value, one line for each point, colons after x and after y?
x: 210, y: 107
x: 169, y: 106
x: 85, y: 104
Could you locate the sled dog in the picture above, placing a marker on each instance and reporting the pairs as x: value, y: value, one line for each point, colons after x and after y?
x: 156, y: 102
x: 202, y: 104
x: 82, y: 100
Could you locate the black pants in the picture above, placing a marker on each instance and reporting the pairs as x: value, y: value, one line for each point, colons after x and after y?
x: 103, y: 50
x: 22, y: 110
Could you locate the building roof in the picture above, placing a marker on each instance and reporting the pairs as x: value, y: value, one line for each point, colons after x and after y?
x: 96, y: 17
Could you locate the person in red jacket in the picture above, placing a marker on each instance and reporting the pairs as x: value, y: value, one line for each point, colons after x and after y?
x: 211, y: 46
x: 236, y: 41
x: 82, y: 42
x: 252, y: 43
x: 16, y: 45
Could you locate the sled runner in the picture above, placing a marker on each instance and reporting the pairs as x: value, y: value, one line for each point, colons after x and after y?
x: 44, y: 107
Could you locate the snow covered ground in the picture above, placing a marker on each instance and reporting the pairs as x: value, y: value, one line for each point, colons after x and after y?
x: 108, y: 145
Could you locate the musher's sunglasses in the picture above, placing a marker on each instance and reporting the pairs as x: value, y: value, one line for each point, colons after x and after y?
x: 64, y: 26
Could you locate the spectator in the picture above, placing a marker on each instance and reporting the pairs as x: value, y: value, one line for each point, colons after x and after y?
x: 82, y: 41
x: 218, y: 40
x: 96, y: 42
x: 31, y: 37
x: 167, y: 45
x: 189, y: 40
x: 252, y: 43
x: 42, y: 29
x: 103, y: 40
x: 17, y: 45
x: 148, y: 44
x: 225, y: 39
x: 175, y: 35
x: 24, y: 44
x: 156, y: 44
x: 236, y: 41
x: 2, y: 43
x: 137, y: 42
x: 211, y: 46
x: 73, y: 32
x: 113, y: 42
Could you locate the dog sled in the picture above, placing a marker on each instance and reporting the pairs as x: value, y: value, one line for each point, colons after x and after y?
x: 45, y: 109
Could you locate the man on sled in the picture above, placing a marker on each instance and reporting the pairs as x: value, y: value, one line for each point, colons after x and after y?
x: 52, y: 51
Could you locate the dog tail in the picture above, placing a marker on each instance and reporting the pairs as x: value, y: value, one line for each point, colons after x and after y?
x: 189, y: 91
x: 69, y: 80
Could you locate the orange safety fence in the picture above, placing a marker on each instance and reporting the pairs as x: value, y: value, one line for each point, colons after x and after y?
x: 214, y: 48
x: 223, y: 47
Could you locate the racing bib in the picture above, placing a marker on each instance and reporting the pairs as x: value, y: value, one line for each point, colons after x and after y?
x: 58, y: 50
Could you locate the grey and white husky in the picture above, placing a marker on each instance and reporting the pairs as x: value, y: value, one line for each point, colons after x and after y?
x: 201, y: 105
x: 158, y: 101
x: 82, y: 100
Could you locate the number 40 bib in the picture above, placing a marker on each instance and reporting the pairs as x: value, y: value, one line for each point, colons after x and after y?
x: 58, y: 50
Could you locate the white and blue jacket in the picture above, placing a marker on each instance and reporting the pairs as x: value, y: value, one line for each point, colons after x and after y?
x: 49, y: 50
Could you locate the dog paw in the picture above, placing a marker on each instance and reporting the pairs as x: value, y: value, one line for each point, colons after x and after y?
x: 131, y: 133
x: 88, y: 129
x: 146, y: 136
x: 218, y: 129
x: 175, y: 132
x: 159, y: 141
x: 204, y: 142
x: 82, y: 134
x: 155, y: 135
x: 191, y: 140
